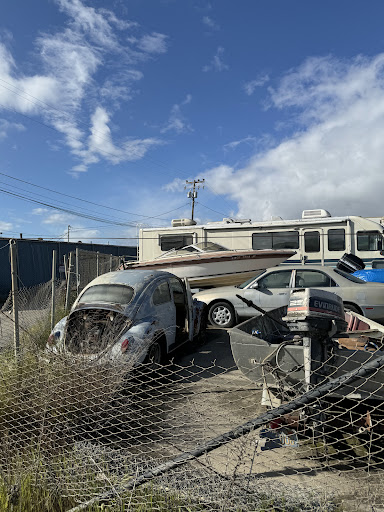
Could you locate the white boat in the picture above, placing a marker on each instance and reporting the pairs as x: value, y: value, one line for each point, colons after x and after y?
x: 211, y: 264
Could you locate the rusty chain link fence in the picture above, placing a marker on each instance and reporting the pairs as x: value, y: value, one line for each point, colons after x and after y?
x: 79, y: 433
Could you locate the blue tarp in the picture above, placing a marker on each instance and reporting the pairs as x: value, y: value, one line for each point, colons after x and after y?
x: 375, y: 275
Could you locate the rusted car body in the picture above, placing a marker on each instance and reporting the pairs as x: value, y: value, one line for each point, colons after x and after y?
x: 133, y: 315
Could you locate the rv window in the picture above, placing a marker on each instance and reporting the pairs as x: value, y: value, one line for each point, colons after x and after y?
x: 369, y: 241
x: 378, y: 263
x: 336, y: 240
x: 312, y: 241
x: 168, y: 242
x: 276, y: 240
x: 262, y: 241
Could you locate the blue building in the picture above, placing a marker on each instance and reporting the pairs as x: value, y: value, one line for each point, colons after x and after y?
x: 35, y: 259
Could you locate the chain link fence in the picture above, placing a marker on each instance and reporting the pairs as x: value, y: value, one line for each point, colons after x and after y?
x: 79, y: 433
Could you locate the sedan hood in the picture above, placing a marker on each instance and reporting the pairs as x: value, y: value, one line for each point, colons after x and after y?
x: 216, y: 292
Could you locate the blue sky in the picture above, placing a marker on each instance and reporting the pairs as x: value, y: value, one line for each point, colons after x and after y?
x: 107, y: 108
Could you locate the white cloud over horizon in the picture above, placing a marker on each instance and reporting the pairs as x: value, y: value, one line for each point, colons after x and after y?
x: 334, y: 159
x: 69, y: 60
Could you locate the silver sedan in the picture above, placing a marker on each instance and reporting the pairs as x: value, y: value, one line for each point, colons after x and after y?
x: 272, y: 289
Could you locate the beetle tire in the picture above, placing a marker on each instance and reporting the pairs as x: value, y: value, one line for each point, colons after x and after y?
x: 154, y: 356
x: 222, y: 314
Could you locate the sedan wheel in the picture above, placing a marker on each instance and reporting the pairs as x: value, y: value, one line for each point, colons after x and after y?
x: 222, y: 314
x: 352, y: 307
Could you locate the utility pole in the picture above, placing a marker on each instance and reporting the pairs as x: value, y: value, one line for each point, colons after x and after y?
x: 68, y: 232
x: 192, y: 194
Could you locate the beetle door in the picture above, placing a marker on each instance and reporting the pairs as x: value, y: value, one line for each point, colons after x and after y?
x: 165, y: 311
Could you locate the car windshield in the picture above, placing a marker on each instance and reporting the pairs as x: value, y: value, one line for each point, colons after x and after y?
x: 108, y: 293
x: 250, y: 280
x: 350, y: 277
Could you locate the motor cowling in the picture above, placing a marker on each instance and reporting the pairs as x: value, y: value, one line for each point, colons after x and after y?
x: 315, y: 311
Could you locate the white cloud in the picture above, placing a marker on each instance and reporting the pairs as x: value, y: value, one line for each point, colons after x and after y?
x: 210, y: 23
x: 177, y: 121
x: 39, y: 211
x: 58, y: 219
x: 153, y: 43
x: 217, y: 63
x: 5, y: 226
x: 246, y: 140
x: 6, y: 126
x: 70, y: 61
x: 100, y: 143
x: 175, y: 186
x: 335, y: 158
x: 250, y: 87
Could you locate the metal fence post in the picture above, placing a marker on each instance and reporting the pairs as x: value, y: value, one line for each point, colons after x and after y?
x: 68, y: 291
x: 15, y: 296
x: 54, y: 258
x: 65, y: 267
x: 97, y: 264
x: 77, y: 271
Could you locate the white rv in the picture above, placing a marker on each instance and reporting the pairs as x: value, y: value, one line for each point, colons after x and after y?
x: 317, y: 237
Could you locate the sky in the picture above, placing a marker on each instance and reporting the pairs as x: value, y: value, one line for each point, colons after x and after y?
x: 107, y: 109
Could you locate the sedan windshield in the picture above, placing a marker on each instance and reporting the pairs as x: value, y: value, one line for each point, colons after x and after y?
x: 108, y: 293
x: 250, y: 280
x: 350, y: 277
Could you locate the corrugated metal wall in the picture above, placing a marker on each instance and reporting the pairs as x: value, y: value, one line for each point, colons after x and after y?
x: 35, y: 259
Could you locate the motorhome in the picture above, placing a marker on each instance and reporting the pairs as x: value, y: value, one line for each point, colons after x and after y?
x: 317, y: 238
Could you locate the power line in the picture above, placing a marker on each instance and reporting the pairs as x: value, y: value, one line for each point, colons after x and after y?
x: 50, y: 107
x: 208, y: 208
x: 66, y: 210
x: 85, y: 200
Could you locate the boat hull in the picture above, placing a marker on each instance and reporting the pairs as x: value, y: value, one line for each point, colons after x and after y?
x: 280, y: 367
x: 218, y: 269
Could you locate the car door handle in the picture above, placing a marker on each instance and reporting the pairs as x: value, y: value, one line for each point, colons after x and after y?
x: 283, y: 293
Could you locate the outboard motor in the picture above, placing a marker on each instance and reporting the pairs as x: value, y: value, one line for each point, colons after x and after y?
x: 315, y: 315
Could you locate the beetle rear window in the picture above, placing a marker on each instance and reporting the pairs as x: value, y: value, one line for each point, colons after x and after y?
x: 108, y: 293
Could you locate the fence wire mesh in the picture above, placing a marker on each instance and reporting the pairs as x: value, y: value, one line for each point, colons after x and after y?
x: 86, y: 432
x: 79, y: 432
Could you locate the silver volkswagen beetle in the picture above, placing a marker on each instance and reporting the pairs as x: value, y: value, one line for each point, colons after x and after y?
x: 137, y: 315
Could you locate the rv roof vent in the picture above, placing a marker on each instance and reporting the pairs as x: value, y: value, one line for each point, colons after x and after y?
x: 183, y: 222
x: 310, y: 214
x: 229, y: 220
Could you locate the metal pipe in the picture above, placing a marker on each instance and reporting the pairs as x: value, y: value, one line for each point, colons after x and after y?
x: 15, y: 295
x: 54, y: 258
